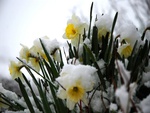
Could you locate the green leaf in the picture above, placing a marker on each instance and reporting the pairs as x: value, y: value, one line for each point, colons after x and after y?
x: 28, y: 67
x: 137, y: 60
x: 49, y: 70
x: 90, y: 54
x: 36, y: 100
x: 61, y: 63
x: 25, y: 95
x: 53, y: 67
x: 89, y: 31
x: 71, y: 53
x: 44, y: 99
x: 59, y: 106
x: 104, y: 45
x: 143, y: 35
x: 95, y: 45
x: 13, y: 105
x: 109, y: 48
x: 85, y: 57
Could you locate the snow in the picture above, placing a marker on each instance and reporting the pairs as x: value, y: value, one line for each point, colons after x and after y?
x: 8, y: 93
x: 146, y: 77
x: 125, y: 74
x: 123, y: 97
x: 113, y: 107
x: 96, y: 102
x: 101, y: 64
x: 25, y: 111
x: 71, y: 73
x: 145, y: 104
x: 147, y: 84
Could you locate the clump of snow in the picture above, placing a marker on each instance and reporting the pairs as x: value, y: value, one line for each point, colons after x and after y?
x: 101, y: 64
x: 87, y: 42
x: 133, y: 87
x: 130, y: 35
x: 146, y: 77
x: 125, y: 74
x: 51, y: 45
x: 74, y: 61
x: 98, y: 103
x: 37, y: 42
x: 25, y: 111
x: 145, y: 104
x: 123, y: 97
x: 147, y: 84
x: 113, y: 107
x: 111, y: 92
x: 8, y: 93
x: 10, y: 85
x: 75, y: 72
x: 22, y: 102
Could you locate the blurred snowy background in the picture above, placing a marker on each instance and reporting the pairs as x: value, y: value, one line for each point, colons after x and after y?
x: 22, y: 21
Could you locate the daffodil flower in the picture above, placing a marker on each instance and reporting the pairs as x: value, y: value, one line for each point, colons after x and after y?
x: 129, y: 34
x: 25, y: 53
x: 75, y: 30
x: 37, y: 47
x: 103, y: 23
x: 125, y: 50
x: 75, y: 83
x: 14, y: 69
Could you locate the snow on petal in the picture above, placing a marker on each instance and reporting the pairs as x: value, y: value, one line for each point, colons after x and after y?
x: 74, y: 83
x: 129, y: 33
x: 103, y: 23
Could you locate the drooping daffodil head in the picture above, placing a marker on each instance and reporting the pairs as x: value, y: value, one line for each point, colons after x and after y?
x: 53, y: 46
x: 129, y: 34
x: 103, y: 23
x: 37, y: 49
x: 128, y: 37
x: 125, y: 50
x: 75, y: 30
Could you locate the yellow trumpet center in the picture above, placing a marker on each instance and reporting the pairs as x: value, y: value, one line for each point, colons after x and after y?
x: 75, y: 93
x: 102, y: 32
x: 14, y: 69
x: 126, y: 52
x: 71, y: 31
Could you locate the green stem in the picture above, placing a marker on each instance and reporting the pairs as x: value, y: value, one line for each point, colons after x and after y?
x: 80, y: 106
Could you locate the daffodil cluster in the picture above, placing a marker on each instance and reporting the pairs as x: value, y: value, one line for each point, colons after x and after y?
x: 103, y: 67
x: 32, y: 55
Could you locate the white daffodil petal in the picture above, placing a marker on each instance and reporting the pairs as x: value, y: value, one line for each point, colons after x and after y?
x: 85, y: 101
x: 70, y: 104
x: 61, y: 93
